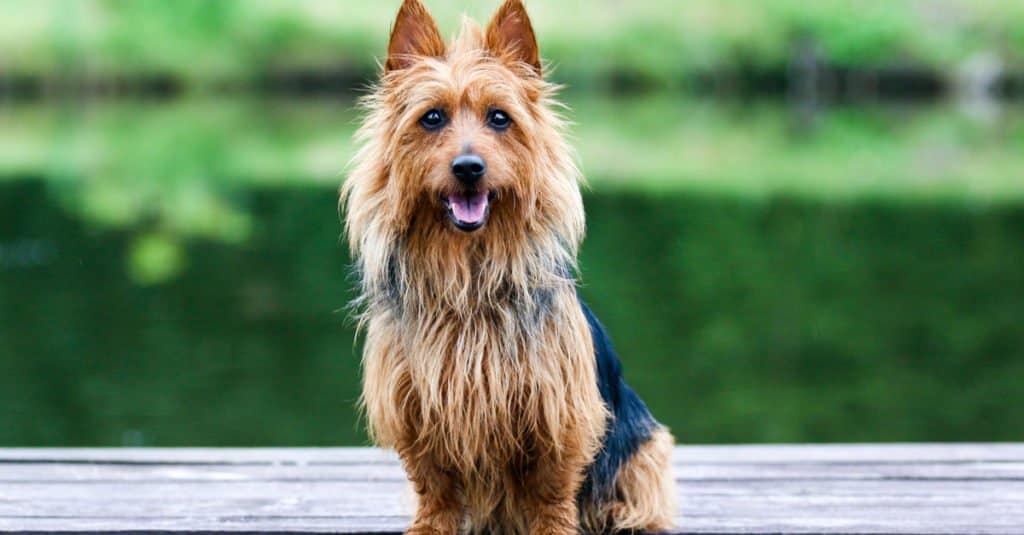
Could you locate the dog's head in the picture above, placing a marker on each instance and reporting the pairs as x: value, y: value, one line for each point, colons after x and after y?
x: 461, y: 140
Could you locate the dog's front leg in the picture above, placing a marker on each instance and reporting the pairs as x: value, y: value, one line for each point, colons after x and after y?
x: 439, y: 509
x: 551, y: 496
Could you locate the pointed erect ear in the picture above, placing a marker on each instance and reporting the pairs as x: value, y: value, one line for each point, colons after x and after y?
x: 414, y: 34
x: 510, y: 35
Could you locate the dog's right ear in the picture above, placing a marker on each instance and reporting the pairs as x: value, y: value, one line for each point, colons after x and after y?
x: 414, y: 34
x: 510, y: 35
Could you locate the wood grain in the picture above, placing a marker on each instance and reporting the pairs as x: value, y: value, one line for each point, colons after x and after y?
x: 915, y: 489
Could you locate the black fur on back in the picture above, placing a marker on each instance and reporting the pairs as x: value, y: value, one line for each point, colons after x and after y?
x: 629, y: 426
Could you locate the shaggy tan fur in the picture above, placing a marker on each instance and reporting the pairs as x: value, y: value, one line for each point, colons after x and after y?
x: 645, y: 492
x: 478, y: 362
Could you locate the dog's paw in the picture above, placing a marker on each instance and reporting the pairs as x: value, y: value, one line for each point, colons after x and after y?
x: 422, y: 529
x: 554, y: 531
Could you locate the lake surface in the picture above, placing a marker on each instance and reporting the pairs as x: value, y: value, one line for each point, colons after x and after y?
x: 174, y: 274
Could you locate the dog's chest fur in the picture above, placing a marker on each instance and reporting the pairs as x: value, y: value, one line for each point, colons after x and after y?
x: 496, y: 386
x: 483, y: 369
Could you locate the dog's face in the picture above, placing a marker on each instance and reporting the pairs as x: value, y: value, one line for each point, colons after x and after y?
x: 468, y: 134
x: 463, y: 184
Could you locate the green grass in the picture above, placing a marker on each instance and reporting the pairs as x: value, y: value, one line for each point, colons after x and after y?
x: 201, y: 41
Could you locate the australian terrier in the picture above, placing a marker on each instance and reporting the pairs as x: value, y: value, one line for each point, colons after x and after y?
x: 482, y: 367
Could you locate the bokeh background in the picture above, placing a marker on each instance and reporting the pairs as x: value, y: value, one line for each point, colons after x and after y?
x: 806, y: 219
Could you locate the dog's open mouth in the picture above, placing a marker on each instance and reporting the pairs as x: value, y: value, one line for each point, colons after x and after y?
x: 468, y: 209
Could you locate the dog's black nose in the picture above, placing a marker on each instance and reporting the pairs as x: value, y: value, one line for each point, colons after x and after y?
x: 468, y: 168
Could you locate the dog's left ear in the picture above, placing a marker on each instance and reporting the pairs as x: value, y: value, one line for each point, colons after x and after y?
x: 510, y: 35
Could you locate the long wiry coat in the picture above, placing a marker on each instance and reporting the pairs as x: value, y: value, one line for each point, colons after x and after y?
x: 479, y: 363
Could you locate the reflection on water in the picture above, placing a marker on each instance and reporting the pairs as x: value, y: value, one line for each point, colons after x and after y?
x: 173, y: 274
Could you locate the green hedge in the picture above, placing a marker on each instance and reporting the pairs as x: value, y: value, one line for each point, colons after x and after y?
x: 804, y: 321
x: 738, y: 320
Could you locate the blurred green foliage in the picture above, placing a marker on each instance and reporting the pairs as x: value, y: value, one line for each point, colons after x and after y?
x: 738, y: 320
x: 173, y: 272
x: 155, y: 258
x: 179, y: 168
x: 148, y: 155
x: 201, y: 42
x: 794, y: 320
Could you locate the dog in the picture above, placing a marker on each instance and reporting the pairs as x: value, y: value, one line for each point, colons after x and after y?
x: 482, y: 367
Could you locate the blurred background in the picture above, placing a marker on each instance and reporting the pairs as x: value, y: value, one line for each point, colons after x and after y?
x: 806, y: 219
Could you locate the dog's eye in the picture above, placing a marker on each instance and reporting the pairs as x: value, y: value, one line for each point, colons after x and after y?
x: 498, y: 119
x: 433, y: 119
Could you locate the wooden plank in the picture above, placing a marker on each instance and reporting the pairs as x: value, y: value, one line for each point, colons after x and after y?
x: 28, y: 472
x: 847, y: 489
x: 202, y: 456
x: 711, y: 454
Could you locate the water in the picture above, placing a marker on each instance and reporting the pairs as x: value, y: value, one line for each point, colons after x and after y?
x: 172, y: 278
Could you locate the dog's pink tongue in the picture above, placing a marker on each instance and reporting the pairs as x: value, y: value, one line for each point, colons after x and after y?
x: 468, y: 207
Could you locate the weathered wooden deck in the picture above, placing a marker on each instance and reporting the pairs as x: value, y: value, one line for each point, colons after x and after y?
x: 849, y: 489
